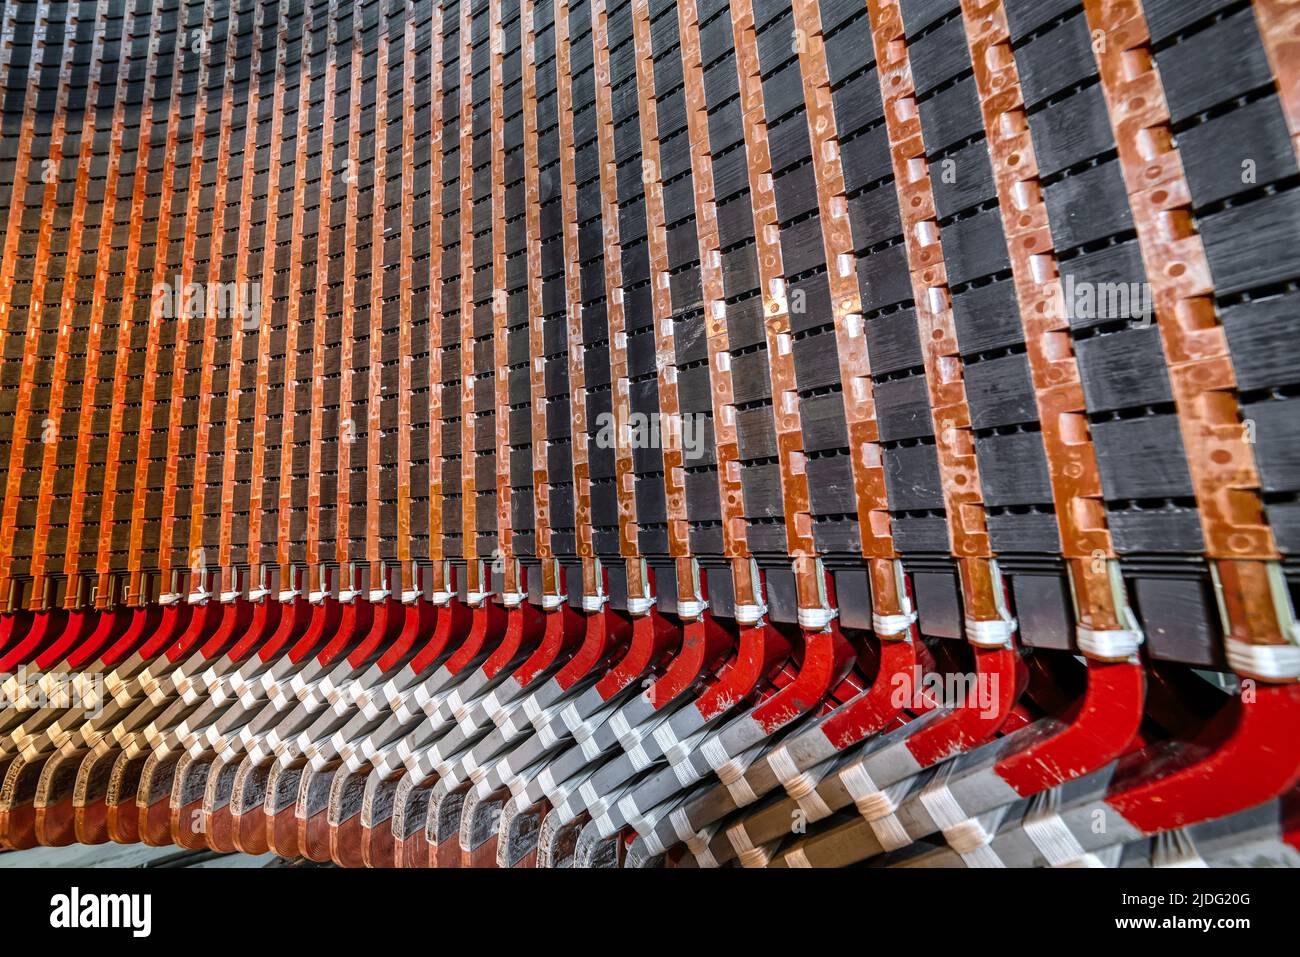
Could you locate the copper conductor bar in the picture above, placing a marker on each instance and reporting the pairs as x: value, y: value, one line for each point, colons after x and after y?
x: 40, y: 279
x: 468, y: 501
x: 1101, y: 607
x: 1225, y: 478
x: 620, y: 381
x: 500, y: 343
x: 679, y: 544
x: 891, y: 607
x: 987, y: 621
x: 536, y: 337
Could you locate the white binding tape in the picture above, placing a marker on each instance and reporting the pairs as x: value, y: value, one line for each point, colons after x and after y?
x: 409, y: 597
x: 640, y: 606
x: 1176, y: 849
x: 1049, y: 833
x: 816, y: 619
x: 593, y: 603
x: 888, y: 626
x: 877, y: 807
x: 513, y: 599
x: 1113, y: 645
x: 1264, y: 661
x: 691, y: 610
x: 990, y: 634
x: 750, y: 614
x: 551, y: 602
x: 290, y: 595
x: 797, y: 858
x: 441, y: 598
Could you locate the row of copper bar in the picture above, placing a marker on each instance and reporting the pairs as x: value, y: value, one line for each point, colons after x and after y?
x: 351, y: 357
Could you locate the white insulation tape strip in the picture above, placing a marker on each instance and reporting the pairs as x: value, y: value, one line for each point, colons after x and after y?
x: 1044, y: 826
x: 701, y: 846
x: 1176, y: 849
x: 1116, y: 645
x: 877, y: 807
x: 964, y: 834
x: 991, y: 634
x: 1264, y: 661
x: 886, y: 626
x: 797, y: 858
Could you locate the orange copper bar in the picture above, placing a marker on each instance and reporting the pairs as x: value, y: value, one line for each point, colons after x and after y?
x: 500, y: 342
x: 437, y: 493
x: 320, y: 305
x: 1058, y: 388
x: 32, y: 338
x: 620, y: 380
x: 375, y: 339
x: 404, y: 354
x: 162, y: 287
x: 347, y: 426
x: 211, y: 330
x: 1221, y: 460
x: 890, y: 604
x: 468, y: 492
x: 126, y: 323
x: 182, y: 317
x: 982, y: 588
x: 234, y: 390
x: 536, y: 338
x: 1279, y: 28
x: 289, y: 405
x: 262, y: 371
x: 591, y: 586
x: 679, y: 543
x: 22, y: 166
x: 67, y: 304
x: 730, y: 490
x: 99, y: 294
